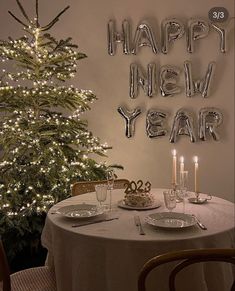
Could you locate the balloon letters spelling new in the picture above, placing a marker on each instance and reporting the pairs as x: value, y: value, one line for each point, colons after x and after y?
x: 154, y: 123
x: 172, y: 29
x: 138, y: 78
x: 199, y: 86
x: 168, y: 79
x: 209, y: 120
x: 197, y: 28
x: 182, y: 125
x: 129, y: 117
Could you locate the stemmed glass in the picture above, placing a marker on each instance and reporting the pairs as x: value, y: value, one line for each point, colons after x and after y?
x: 101, y: 193
x: 183, y: 186
x: 170, y: 199
x: 110, y: 182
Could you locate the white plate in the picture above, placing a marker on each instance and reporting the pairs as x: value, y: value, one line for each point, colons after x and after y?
x: 80, y: 211
x: 122, y: 204
x: 171, y: 220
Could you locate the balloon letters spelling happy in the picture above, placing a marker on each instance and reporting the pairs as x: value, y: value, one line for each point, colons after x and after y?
x: 182, y: 125
x: 129, y: 117
x: 138, y: 78
x: 115, y: 37
x: 144, y: 36
x: 223, y: 33
x: 172, y: 29
x: 199, y: 86
x: 154, y: 123
x: 209, y: 120
x: 197, y: 29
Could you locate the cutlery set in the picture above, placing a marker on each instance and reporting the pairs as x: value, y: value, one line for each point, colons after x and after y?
x: 137, y: 222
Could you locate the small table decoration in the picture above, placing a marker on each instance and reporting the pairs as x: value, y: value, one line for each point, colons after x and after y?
x: 138, y: 196
x: 137, y: 187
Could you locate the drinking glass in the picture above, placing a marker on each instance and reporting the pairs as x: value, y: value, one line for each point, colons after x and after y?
x: 101, y: 193
x: 170, y: 199
x: 110, y: 182
x: 183, y: 187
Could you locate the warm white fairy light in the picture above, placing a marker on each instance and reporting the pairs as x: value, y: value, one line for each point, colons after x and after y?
x: 47, y: 87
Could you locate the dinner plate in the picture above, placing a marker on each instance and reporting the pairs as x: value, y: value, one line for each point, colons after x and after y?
x: 171, y: 220
x: 80, y: 211
x: 122, y: 204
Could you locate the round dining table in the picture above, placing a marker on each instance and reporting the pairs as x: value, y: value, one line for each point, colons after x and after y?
x: 108, y: 256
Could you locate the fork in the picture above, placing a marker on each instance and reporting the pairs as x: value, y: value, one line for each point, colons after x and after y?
x: 138, y: 224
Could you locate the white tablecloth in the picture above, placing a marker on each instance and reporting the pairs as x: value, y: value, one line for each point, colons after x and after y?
x: 107, y: 256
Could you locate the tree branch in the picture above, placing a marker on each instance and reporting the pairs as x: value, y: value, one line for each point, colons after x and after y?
x: 37, y: 14
x: 55, y: 19
x: 17, y: 19
x: 22, y: 10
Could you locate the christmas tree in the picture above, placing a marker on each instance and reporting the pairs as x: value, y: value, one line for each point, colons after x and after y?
x: 43, y: 151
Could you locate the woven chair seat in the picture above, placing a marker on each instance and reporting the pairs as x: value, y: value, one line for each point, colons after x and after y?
x: 34, y: 279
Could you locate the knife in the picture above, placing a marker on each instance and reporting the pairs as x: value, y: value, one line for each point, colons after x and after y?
x: 93, y: 222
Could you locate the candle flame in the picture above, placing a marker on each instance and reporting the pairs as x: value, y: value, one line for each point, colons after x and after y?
x: 174, y: 152
x: 196, y: 159
x: 182, y: 159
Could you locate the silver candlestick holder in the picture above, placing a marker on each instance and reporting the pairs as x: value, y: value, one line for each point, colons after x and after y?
x: 199, y: 200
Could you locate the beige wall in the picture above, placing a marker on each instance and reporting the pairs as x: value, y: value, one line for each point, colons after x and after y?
x: 108, y: 77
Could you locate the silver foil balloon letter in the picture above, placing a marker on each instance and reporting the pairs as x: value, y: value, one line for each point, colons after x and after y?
x: 172, y: 29
x: 144, y: 36
x: 200, y: 86
x: 222, y: 34
x: 115, y: 37
x: 129, y: 117
x: 138, y: 78
x: 154, y: 123
x: 182, y: 125
x: 168, y: 80
x: 209, y: 119
x: 197, y: 29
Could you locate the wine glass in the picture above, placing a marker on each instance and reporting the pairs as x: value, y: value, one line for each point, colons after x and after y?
x: 110, y: 182
x: 170, y: 199
x: 183, y: 186
x: 101, y: 193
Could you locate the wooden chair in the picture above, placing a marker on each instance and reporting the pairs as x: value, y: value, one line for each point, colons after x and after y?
x: 186, y: 258
x: 79, y: 188
x: 33, y: 279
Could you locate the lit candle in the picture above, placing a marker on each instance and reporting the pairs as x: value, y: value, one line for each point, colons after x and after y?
x: 181, y: 164
x: 174, y: 163
x: 196, y: 174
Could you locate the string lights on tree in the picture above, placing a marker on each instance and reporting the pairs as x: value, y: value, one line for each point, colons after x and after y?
x: 43, y: 150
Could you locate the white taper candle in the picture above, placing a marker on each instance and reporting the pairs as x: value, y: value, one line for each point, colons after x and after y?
x: 174, y: 167
x: 181, y: 164
x: 196, y: 174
